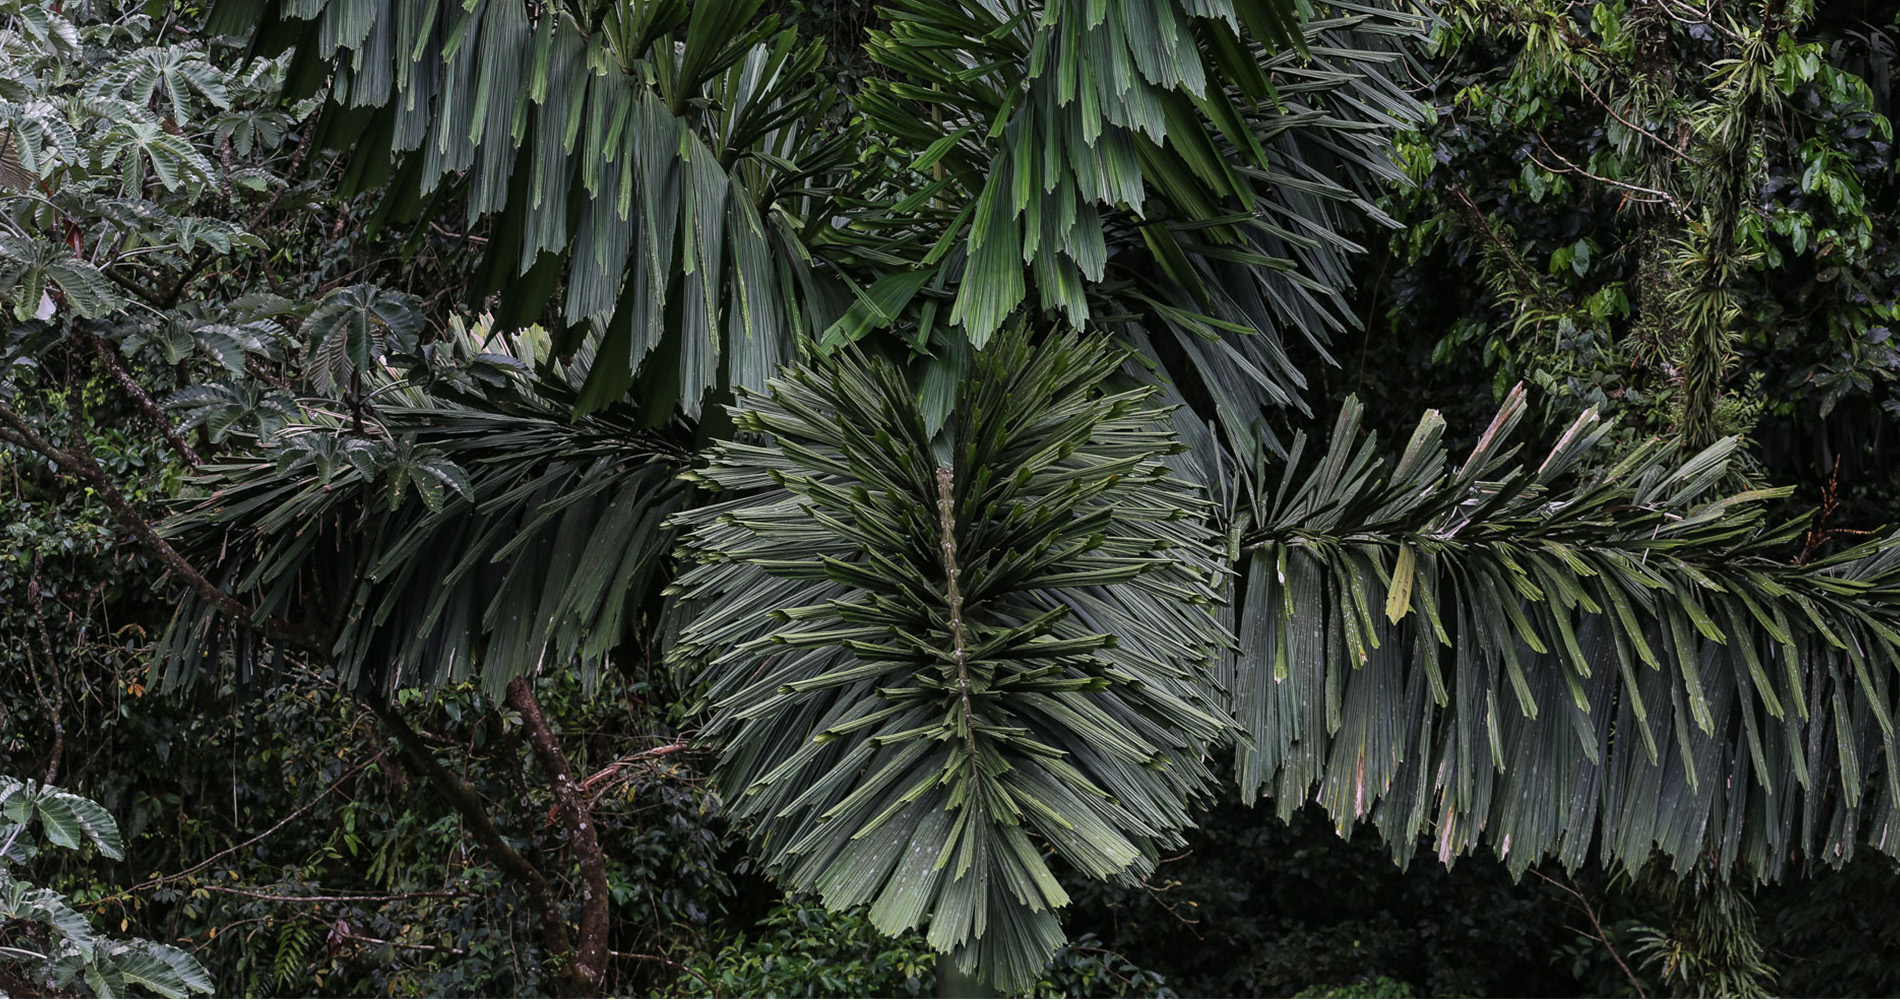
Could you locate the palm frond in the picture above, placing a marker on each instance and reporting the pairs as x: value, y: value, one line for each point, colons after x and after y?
x: 1097, y: 107
x: 1281, y: 288
x: 635, y: 150
x: 1190, y: 170
x: 1560, y: 661
x: 463, y: 535
x: 927, y: 671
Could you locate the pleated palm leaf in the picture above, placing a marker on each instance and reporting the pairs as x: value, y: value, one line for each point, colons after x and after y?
x: 1546, y: 658
x: 929, y: 671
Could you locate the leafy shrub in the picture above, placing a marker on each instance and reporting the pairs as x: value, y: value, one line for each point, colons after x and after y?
x: 800, y: 950
x: 46, y: 945
x: 1380, y: 986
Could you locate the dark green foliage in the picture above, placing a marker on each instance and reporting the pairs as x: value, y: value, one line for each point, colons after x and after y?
x: 1549, y: 240
x: 1835, y: 932
x: 420, y: 913
x: 332, y: 532
x: 808, y: 951
x: 72, y: 600
x: 966, y: 660
x: 1259, y: 907
x: 1418, y: 639
x: 1384, y: 986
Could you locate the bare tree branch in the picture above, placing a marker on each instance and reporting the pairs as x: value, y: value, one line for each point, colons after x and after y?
x: 590, y: 962
x: 1655, y: 196
x: 462, y: 796
x: 275, y: 897
x: 148, y: 406
x: 1601, y: 936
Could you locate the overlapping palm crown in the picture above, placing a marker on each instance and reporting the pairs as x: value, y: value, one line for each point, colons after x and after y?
x: 1006, y: 533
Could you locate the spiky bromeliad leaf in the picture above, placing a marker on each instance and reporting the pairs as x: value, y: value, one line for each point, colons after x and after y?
x: 925, y: 674
x: 1542, y: 658
x: 527, y: 541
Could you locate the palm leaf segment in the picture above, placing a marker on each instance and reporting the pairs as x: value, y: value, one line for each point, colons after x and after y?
x: 926, y: 674
x: 1197, y: 165
x: 1086, y: 97
x: 461, y: 534
x: 1546, y: 657
x: 639, y: 148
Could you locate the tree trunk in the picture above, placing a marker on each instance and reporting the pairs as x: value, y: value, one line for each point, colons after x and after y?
x: 468, y: 803
x: 589, y: 965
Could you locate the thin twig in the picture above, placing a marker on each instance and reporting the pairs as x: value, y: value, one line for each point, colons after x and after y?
x: 477, y: 240
x: 1602, y: 937
x: 227, y: 852
x: 273, y: 897
x: 350, y: 935
x: 1571, y: 166
x: 148, y: 406
x: 1659, y: 140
